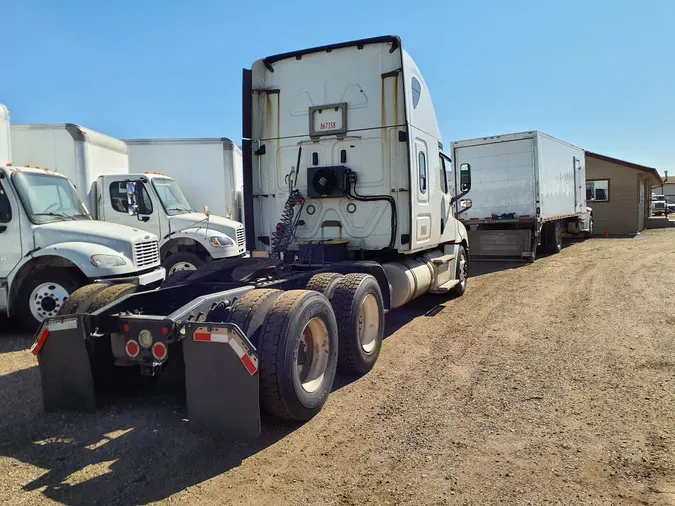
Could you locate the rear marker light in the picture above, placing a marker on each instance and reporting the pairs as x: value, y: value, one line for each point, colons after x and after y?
x: 132, y: 348
x: 126, y: 327
x: 159, y: 351
x: 165, y: 331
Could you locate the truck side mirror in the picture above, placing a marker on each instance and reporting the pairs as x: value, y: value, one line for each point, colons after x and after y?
x: 465, y: 204
x: 132, y: 201
x: 465, y: 177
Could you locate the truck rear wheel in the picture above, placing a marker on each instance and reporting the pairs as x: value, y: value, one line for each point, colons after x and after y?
x: 82, y: 298
x: 182, y: 261
x: 324, y: 283
x: 588, y: 234
x: 249, y: 312
x: 555, y: 238
x: 298, y: 355
x: 43, y: 294
x: 359, y: 310
x: 103, y: 368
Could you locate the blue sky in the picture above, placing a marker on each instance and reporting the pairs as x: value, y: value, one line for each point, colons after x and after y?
x: 599, y: 74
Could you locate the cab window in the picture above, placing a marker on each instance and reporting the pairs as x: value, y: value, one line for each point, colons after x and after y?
x: 5, y: 208
x: 119, y: 202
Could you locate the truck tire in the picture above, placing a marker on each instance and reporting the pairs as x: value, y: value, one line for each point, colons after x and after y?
x: 359, y: 310
x: 182, y: 261
x: 249, y: 312
x: 177, y: 278
x: 298, y: 355
x: 43, y: 293
x: 462, y: 273
x: 589, y: 233
x: 554, y: 244
x: 82, y: 298
x: 101, y: 358
x: 324, y: 283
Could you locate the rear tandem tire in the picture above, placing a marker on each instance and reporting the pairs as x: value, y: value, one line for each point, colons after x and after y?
x: 324, y: 283
x: 82, y: 298
x: 298, y: 355
x: 359, y: 309
x: 249, y: 312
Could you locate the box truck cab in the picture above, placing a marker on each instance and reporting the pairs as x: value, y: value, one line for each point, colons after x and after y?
x: 188, y: 238
x: 50, y: 246
x: 99, y: 166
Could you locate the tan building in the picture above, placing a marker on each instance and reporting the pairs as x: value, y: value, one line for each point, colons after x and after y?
x: 619, y: 193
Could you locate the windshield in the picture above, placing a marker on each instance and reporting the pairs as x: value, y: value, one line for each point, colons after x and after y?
x: 49, y: 198
x: 172, y: 198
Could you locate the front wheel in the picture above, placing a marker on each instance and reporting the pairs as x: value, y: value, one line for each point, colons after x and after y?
x: 43, y: 294
x: 462, y: 273
x: 182, y: 261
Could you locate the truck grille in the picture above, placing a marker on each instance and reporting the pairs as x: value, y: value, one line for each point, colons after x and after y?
x: 241, y: 238
x: 146, y: 253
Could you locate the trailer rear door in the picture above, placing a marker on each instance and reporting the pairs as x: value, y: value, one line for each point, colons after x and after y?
x: 503, y: 180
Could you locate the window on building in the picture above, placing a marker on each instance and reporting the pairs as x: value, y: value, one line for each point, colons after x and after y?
x: 5, y: 208
x: 119, y: 202
x: 416, y: 92
x: 423, y: 172
x: 597, y: 191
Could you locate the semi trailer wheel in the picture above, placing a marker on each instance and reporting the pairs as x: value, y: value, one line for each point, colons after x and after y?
x: 589, y: 233
x: 106, y: 375
x: 555, y: 238
x: 82, y: 298
x: 182, y: 261
x: 249, y: 312
x: 298, y: 355
x: 462, y: 273
x: 359, y: 310
x: 324, y: 283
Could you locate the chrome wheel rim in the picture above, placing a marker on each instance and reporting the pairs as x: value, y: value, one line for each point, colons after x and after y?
x: 182, y: 266
x: 369, y: 323
x: 463, y: 271
x: 46, y: 300
x: 312, y: 355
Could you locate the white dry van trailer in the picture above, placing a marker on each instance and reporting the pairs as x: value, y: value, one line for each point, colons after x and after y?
x: 208, y: 171
x: 99, y: 166
x: 350, y: 201
x: 528, y: 190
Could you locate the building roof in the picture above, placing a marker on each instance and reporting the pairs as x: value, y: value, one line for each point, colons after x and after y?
x: 630, y: 165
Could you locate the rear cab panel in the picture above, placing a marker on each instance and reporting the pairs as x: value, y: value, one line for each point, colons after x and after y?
x: 365, y: 76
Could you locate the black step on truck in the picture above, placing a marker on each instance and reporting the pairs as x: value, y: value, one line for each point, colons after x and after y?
x: 350, y: 209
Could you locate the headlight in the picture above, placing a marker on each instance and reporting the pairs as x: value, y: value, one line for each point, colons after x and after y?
x: 107, y: 261
x: 221, y: 240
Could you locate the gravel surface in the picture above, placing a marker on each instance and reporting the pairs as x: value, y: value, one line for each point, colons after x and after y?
x: 547, y: 383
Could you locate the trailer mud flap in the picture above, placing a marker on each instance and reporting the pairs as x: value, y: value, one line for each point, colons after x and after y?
x: 221, y: 379
x: 65, y: 370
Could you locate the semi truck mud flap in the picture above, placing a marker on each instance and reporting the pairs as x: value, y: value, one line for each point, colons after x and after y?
x: 65, y: 371
x: 221, y: 379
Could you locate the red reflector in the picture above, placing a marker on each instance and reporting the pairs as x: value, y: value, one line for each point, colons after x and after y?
x: 488, y: 218
x: 126, y: 327
x: 132, y: 348
x: 202, y: 336
x: 474, y: 219
x: 461, y: 219
x: 525, y: 216
x: 248, y: 363
x: 165, y: 331
x: 40, y: 342
x: 159, y: 351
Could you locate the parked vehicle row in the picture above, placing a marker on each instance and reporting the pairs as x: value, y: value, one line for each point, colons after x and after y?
x: 352, y: 207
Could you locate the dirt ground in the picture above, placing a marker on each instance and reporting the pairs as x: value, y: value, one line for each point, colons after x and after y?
x: 547, y: 383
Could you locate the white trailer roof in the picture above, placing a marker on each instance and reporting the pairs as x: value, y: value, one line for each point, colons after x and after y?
x: 80, y: 133
x: 506, y: 138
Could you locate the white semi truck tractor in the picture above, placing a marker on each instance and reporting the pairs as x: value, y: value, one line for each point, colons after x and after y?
x: 349, y: 201
x: 99, y: 166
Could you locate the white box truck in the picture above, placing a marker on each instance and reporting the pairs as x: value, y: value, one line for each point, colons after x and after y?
x: 208, y: 170
x: 5, y: 144
x: 99, y: 166
x: 50, y: 246
x: 527, y: 190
